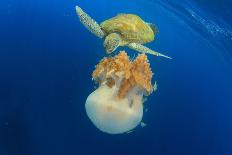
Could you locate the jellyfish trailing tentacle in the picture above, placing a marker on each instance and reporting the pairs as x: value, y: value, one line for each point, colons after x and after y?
x: 116, y: 106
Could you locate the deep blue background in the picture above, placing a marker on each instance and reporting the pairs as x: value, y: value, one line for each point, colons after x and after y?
x: 46, y: 60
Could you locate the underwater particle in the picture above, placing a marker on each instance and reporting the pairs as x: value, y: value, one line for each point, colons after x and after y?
x: 143, y: 124
x: 116, y: 106
x: 130, y: 131
x: 155, y: 86
x: 122, y: 30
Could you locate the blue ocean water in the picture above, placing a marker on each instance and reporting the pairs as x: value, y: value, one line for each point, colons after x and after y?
x: 46, y: 61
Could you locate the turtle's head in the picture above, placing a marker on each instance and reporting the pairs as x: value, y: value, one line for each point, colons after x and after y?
x: 112, y: 41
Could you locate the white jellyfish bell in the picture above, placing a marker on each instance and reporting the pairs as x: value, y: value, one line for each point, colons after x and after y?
x: 116, y: 105
x: 111, y: 115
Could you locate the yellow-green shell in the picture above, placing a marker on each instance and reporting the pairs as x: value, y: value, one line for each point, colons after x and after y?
x: 131, y: 27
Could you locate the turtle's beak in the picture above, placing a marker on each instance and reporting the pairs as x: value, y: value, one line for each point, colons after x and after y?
x: 109, y: 48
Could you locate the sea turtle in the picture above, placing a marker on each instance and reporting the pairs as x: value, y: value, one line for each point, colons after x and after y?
x: 122, y: 30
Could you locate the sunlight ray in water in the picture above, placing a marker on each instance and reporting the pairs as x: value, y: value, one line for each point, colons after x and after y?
x: 218, y: 34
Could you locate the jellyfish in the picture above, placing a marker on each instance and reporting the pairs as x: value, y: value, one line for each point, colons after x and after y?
x: 116, y: 106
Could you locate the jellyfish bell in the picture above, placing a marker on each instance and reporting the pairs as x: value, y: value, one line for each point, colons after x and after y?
x: 116, y: 106
x: 111, y: 115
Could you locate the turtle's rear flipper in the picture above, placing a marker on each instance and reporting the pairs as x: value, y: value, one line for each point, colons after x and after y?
x: 144, y: 49
x: 154, y: 28
x: 89, y: 23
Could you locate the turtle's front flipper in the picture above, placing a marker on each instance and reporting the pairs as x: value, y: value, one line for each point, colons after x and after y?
x: 89, y: 23
x: 143, y: 49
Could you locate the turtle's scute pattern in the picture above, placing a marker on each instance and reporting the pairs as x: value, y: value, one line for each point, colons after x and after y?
x: 131, y: 27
